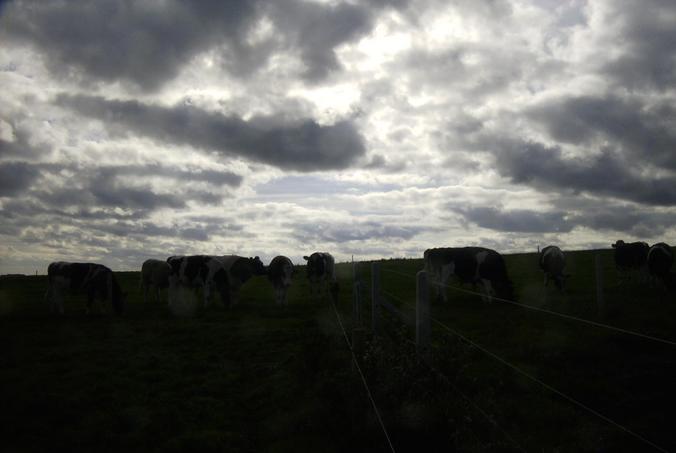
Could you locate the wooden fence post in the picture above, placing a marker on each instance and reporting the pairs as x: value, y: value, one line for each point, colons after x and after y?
x: 375, y: 297
x: 600, y: 304
x: 422, y: 316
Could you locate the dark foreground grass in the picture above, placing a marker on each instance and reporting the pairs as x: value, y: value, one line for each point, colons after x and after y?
x: 261, y: 378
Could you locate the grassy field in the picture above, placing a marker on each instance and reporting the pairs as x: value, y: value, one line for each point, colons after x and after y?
x: 262, y: 378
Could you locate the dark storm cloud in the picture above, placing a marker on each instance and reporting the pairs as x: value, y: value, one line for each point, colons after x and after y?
x: 345, y: 232
x: 645, y: 132
x: 148, y: 43
x: 516, y: 220
x: 629, y: 220
x: 607, y: 174
x: 646, y: 57
x: 145, y: 43
x: 316, y: 30
x: 16, y: 177
x: 303, y: 146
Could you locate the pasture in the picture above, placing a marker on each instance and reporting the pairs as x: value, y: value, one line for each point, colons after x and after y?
x: 261, y: 378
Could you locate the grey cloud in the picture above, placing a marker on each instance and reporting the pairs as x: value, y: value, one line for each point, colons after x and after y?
x: 645, y: 132
x: 145, y: 43
x: 16, y: 177
x: 218, y: 178
x: 303, y: 146
x: 345, y: 232
x: 474, y: 69
x: 20, y: 147
x: 637, y: 222
x: 647, y: 56
x: 516, y: 220
x: 149, y: 43
x: 607, y: 174
x: 316, y: 30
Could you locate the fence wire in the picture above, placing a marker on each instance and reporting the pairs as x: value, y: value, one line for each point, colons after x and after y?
x: 363, y: 379
x: 550, y: 312
x: 541, y: 383
x: 472, y: 403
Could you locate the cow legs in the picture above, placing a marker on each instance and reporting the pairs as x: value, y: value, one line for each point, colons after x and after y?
x: 487, y: 289
x: 55, y: 300
x: 279, y: 296
x: 206, y: 290
x: 446, y: 272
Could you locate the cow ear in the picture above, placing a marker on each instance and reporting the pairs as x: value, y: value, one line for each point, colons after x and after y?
x: 306, y: 258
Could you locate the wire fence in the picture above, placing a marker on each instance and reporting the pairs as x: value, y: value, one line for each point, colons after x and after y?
x: 550, y: 312
x: 397, y: 311
x: 363, y: 378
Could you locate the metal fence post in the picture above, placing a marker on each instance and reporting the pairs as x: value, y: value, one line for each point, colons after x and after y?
x: 422, y: 315
x: 600, y: 304
x: 375, y: 297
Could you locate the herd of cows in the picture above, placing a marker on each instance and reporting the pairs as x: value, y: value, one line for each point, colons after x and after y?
x: 226, y: 274
x: 223, y: 275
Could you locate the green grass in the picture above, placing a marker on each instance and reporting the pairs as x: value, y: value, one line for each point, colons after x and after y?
x: 261, y: 378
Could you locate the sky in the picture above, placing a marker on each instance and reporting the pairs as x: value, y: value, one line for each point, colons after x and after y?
x: 373, y: 129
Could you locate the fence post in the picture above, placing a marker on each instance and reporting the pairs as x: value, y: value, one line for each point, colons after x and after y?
x: 600, y: 304
x: 375, y: 297
x: 422, y: 315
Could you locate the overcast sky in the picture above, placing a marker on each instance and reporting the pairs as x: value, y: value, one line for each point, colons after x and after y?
x: 131, y: 130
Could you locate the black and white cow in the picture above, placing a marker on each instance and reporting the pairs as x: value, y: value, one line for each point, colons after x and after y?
x: 631, y: 258
x: 552, y: 261
x: 240, y: 270
x: 280, y: 272
x: 475, y: 265
x: 321, y: 271
x: 96, y: 280
x: 154, y: 275
x: 660, y: 259
x: 199, y: 271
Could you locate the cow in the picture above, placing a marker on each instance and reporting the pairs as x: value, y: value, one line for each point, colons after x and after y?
x: 475, y: 265
x: 154, y: 275
x: 321, y: 272
x: 552, y: 261
x: 96, y: 280
x: 630, y: 258
x: 660, y: 259
x: 199, y: 271
x: 280, y: 271
x: 240, y: 270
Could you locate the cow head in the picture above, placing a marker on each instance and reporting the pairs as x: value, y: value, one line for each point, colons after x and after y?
x: 257, y: 266
x: 618, y: 243
x: 315, y: 264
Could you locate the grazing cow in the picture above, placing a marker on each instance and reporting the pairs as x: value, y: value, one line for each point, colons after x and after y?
x: 660, y: 259
x: 199, y: 271
x: 553, y: 262
x: 280, y: 271
x: 240, y: 270
x: 630, y: 257
x: 475, y: 265
x: 96, y: 280
x: 321, y: 271
x: 155, y: 275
